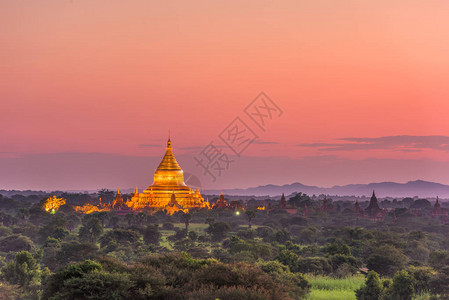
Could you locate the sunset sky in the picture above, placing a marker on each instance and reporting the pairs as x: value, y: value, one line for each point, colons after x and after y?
x: 90, y: 89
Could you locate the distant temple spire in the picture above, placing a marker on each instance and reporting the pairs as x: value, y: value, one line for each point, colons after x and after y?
x: 169, y: 142
x: 437, y: 209
x: 283, y: 202
x: 373, y: 210
x: 357, y: 207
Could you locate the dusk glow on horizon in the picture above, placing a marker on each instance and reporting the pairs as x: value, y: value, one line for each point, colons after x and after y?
x: 89, y: 91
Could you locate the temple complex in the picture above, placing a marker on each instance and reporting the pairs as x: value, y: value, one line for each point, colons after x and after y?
x: 168, y: 187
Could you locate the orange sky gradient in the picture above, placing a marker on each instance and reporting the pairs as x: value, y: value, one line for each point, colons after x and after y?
x: 107, y: 76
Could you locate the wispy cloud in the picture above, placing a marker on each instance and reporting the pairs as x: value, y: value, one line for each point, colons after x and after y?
x: 403, y: 143
x: 265, y: 142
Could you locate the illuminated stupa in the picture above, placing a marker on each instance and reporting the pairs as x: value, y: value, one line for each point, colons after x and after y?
x: 168, y: 181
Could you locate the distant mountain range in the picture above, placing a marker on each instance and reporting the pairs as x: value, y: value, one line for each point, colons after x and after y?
x: 418, y: 188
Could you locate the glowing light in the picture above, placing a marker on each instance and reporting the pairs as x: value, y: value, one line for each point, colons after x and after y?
x: 237, y: 213
x: 53, y: 203
x: 89, y: 208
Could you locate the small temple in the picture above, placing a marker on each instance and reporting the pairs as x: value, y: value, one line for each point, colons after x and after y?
x: 283, y: 202
x: 221, y: 202
x: 373, y: 210
x: 437, y: 209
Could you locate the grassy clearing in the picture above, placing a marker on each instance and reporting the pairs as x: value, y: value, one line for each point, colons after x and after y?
x: 334, y: 288
x: 328, y: 283
x: 164, y: 235
x: 331, y: 295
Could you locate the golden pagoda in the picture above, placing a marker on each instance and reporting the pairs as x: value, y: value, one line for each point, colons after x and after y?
x: 168, y: 181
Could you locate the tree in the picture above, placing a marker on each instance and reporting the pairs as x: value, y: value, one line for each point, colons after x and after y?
x: 56, y: 222
x: 386, y: 260
x: 23, y: 214
x: 9, y: 291
x: 152, y: 235
x: 402, y: 287
x: 113, y: 221
x: 186, y: 219
x: 439, y: 258
x: 74, y: 251
x: 72, y: 222
x: 336, y: 248
x: 421, y: 204
x: 218, y: 230
x: 250, y: 215
x: 121, y: 236
x: 371, y: 289
x: 87, y: 280
x: 439, y: 284
x: 91, y: 231
x: 193, y: 235
x: 102, y: 216
x: 209, y: 221
x: 25, y: 272
x: 106, y: 195
x: 130, y: 218
x: 300, y: 286
x: 16, y: 242
x: 423, y: 276
x: 288, y: 258
x: 141, y: 218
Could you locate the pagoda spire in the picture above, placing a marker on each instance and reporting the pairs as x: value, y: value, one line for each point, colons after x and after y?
x: 169, y: 140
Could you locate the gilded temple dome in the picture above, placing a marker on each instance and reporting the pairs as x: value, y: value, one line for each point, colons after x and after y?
x: 169, y: 161
x: 169, y: 174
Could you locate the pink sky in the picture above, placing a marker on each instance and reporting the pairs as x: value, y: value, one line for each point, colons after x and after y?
x: 107, y: 76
